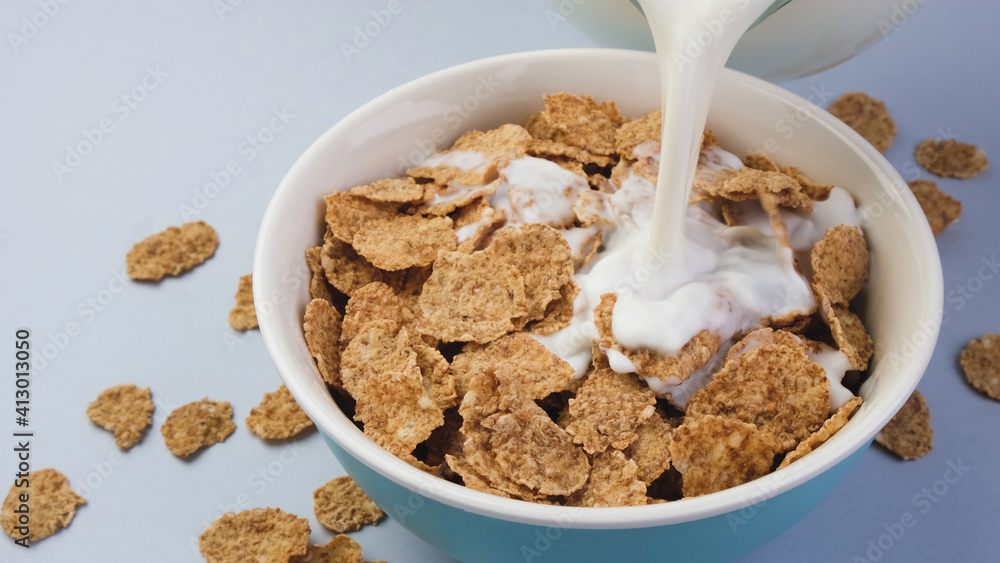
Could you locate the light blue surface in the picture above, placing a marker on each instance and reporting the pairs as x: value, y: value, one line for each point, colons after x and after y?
x: 62, y: 244
x: 479, y: 539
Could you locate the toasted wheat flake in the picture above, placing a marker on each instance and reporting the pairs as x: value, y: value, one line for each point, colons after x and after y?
x: 821, y: 436
x: 391, y: 190
x: 342, y: 506
x: 346, y: 213
x: 456, y: 195
x: 197, y: 425
x: 760, y: 162
x: 375, y: 301
x: 379, y: 369
x: 568, y: 156
x: 651, y: 448
x: 404, y: 241
x: 866, y: 115
x: 578, y: 121
x: 713, y: 453
x: 471, y: 297
x: 171, y: 252
x: 51, y: 505
x: 278, y: 416
x: 772, y: 385
x: 319, y: 287
x: 126, y: 410
x: 613, y: 481
x: 261, y: 535
x: 950, y: 159
x: 981, y: 363
x: 542, y: 256
x: 815, y: 191
x: 909, y: 434
x: 515, y: 356
x: 840, y: 262
x: 648, y: 362
x: 558, y: 313
x: 322, y: 326
x: 474, y: 222
x: 348, y: 271
x: 749, y: 183
x: 849, y: 333
x: 244, y: 316
x: 537, y: 453
x: 647, y: 128
x: 608, y: 409
x: 439, y: 384
x: 340, y: 549
x: 940, y: 208
x: 508, y: 139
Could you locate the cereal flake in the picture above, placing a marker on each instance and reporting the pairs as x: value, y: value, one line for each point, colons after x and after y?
x: 578, y: 121
x: 715, y: 453
x: 51, y: 501
x: 981, y: 364
x: 244, y: 316
x: 613, y: 481
x: 608, y: 409
x: 346, y: 213
x: 840, y: 263
x: 262, y: 535
x: 126, y: 410
x: 940, y: 208
x: 391, y: 190
x: 651, y: 448
x: 342, y: 506
x: 278, y: 416
x: 849, y: 333
x: 866, y: 115
x: 909, y: 434
x: 950, y: 159
x: 821, y: 436
x: 340, y: 549
x: 542, y: 256
x: 322, y: 326
x: 404, y: 241
x: 172, y: 252
x: 197, y: 425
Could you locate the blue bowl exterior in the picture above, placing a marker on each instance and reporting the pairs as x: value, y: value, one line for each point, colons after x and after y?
x: 474, y: 538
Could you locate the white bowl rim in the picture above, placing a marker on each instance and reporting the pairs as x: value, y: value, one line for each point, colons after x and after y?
x: 343, y: 432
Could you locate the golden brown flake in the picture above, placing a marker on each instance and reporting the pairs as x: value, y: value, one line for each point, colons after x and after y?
x: 340, y: 549
x: 940, y: 208
x: 715, y: 453
x: 867, y: 116
x: 815, y: 191
x: 348, y: 271
x: 197, y: 425
x: 391, y: 190
x: 650, y: 363
x: 651, y: 449
x: 507, y: 140
x: 439, y: 384
x: 261, y: 535
x: 950, y: 159
x: 568, y: 156
x: 278, y: 416
x: 821, y: 436
x: 849, y: 333
x: 322, y: 326
x: 451, y: 196
x: 760, y: 162
x: 404, y: 241
x: 559, y: 312
x: 346, y: 213
x: 51, y: 505
x: 471, y: 297
x: 379, y: 369
x: 375, y: 301
x: 578, y: 121
x: 542, y: 256
x: 840, y: 263
x: 909, y: 434
x: 981, y: 363
x: 638, y: 131
x: 608, y: 409
x: 772, y: 385
x: 474, y: 222
x: 342, y: 506
x: 613, y: 481
x: 536, y: 452
x: 319, y: 287
x: 126, y: 410
x: 171, y: 252
x: 244, y: 316
x: 515, y: 356
x: 749, y: 183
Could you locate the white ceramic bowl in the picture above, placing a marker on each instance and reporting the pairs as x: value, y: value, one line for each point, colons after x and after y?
x: 902, y: 301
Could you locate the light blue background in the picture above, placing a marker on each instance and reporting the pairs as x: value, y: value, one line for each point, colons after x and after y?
x: 63, y: 242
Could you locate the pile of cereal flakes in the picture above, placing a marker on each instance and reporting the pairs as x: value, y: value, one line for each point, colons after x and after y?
x: 430, y: 290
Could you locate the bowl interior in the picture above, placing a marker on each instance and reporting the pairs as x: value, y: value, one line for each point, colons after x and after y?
x: 383, y: 138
